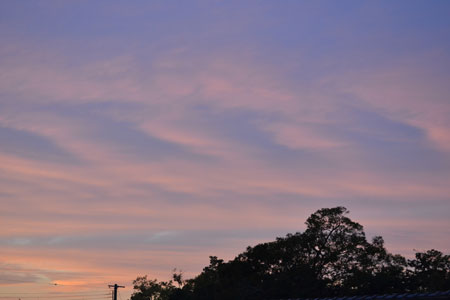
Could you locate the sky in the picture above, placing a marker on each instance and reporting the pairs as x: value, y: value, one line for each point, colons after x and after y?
x: 141, y: 136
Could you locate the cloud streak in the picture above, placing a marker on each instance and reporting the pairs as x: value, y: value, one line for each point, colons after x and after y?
x: 159, y: 142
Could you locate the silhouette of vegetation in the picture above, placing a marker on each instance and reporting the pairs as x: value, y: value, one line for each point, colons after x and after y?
x: 332, y: 257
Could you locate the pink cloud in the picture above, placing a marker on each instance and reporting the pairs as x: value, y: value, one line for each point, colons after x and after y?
x: 409, y: 92
x: 111, y: 182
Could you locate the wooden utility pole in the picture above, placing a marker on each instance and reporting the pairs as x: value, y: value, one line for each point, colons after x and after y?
x: 115, y: 286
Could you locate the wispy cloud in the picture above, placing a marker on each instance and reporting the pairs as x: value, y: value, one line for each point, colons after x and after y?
x: 140, y: 139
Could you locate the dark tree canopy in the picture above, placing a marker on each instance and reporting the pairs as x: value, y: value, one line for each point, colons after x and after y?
x: 332, y: 257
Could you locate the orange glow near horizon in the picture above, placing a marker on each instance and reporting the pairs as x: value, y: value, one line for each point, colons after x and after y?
x: 139, y: 138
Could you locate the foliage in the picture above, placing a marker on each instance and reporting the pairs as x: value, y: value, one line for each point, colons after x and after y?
x: 431, y: 270
x: 151, y: 289
x: 332, y: 257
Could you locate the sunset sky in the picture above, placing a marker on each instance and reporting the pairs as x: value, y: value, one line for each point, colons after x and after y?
x: 141, y: 136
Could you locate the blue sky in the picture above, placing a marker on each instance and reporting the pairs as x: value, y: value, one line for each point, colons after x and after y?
x: 136, y: 137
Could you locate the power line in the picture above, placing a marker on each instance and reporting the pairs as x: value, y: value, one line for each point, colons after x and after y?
x: 66, y: 297
x: 54, y: 296
x: 115, y: 286
x: 78, y: 298
x: 52, y: 293
x: 84, y: 284
x: 31, y: 280
x: 18, y: 280
x: 61, y: 297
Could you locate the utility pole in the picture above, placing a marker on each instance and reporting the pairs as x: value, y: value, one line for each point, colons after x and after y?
x: 115, y: 286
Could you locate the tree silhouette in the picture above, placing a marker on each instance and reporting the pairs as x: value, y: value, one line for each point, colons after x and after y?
x: 332, y: 257
x: 431, y: 270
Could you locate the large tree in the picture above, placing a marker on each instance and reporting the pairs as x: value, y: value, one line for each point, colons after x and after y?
x: 430, y: 271
x: 331, y: 257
